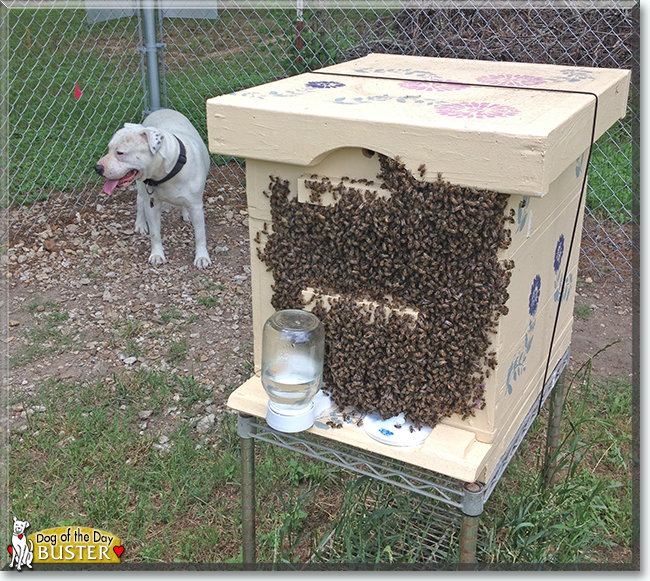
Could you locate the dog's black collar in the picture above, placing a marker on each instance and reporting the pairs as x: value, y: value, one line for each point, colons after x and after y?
x: 182, y: 158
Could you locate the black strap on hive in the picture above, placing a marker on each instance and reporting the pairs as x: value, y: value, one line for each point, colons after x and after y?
x: 182, y: 159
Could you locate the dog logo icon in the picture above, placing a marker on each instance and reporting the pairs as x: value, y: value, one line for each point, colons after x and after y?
x: 21, y: 554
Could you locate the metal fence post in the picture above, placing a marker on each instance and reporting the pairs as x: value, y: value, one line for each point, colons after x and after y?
x: 245, y: 430
x: 556, y: 406
x: 151, y: 49
x: 472, y: 507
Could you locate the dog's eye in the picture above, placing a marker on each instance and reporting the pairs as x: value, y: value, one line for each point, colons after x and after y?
x: 119, y: 152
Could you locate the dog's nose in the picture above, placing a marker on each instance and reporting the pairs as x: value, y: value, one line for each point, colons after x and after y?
x: 99, y: 169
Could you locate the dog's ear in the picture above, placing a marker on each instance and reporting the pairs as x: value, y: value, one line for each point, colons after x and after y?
x: 155, y: 139
x: 15, y: 519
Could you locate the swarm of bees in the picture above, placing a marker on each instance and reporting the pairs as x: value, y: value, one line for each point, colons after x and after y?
x: 431, y: 247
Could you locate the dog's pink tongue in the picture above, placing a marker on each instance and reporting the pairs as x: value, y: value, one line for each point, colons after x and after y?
x: 109, y: 186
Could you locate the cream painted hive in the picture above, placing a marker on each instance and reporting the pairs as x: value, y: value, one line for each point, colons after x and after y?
x: 517, y: 129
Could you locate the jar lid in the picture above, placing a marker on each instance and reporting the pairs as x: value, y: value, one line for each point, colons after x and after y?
x: 395, y: 431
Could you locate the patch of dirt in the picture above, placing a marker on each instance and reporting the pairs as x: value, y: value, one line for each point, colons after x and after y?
x: 83, y: 303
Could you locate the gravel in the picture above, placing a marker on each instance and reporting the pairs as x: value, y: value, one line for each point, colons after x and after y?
x: 84, y: 304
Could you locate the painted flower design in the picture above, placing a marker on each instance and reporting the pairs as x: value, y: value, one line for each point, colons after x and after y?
x: 477, y: 110
x: 511, y: 80
x: 559, y: 251
x: 325, y: 84
x: 533, y: 299
x: 447, y: 85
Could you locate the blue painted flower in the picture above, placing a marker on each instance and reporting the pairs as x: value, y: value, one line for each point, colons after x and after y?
x: 324, y: 84
x: 533, y: 299
x: 559, y: 251
x: 385, y: 432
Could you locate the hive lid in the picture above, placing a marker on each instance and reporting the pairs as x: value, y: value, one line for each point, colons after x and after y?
x: 508, y: 127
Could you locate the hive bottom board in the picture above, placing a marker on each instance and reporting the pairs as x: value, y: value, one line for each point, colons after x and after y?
x: 448, y: 450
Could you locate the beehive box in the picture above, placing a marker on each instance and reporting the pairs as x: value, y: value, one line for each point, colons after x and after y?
x: 369, y: 187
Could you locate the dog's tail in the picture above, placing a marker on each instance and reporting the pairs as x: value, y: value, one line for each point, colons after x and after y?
x: 31, y: 549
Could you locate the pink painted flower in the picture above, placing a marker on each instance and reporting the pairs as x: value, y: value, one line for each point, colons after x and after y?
x: 447, y: 85
x: 511, y: 80
x: 477, y: 110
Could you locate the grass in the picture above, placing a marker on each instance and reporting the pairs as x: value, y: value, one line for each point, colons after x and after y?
x: 582, y: 312
x: 84, y: 461
x: 611, y: 174
x: 47, y: 335
x: 587, y: 515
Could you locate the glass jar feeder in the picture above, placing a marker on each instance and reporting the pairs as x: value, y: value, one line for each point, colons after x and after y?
x: 293, y: 348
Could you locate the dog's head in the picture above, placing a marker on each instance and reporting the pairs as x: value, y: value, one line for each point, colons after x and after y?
x: 20, y: 526
x: 131, y: 155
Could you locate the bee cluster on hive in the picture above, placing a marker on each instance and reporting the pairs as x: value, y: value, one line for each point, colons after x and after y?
x: 413, y: 281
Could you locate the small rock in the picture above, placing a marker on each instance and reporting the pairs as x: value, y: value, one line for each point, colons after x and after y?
x: 145, y: 414
x: 67, y: 440
x: 130, y: 360
x: 205, y: 425
x: 107, y: 296
x: 50, y: 246
x: 163, y: 439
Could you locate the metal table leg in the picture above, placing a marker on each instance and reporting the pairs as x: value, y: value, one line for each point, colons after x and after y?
x: 553, y: 435
x: 245, y: 430
x: 472, y: 507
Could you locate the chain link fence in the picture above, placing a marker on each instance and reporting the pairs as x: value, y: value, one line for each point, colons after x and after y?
x: 73, y: 74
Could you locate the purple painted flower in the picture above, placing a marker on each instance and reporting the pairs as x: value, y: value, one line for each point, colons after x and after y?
x: 325, y: 84
x: 559, y: 251
x: 447, y: 85
x: 511, y: 80
x: 477, y: 110
x: 533, y: 299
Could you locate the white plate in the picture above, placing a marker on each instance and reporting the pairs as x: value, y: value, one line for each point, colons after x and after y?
x: 386, y: 432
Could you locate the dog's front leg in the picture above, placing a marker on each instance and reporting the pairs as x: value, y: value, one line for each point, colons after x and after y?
x: 201, y: 258
x: 152, y: 211
x: 141, y: 226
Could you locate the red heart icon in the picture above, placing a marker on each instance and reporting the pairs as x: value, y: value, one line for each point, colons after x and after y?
x: 11, y: 550
x: 118, y: 550
x: 20, y: 536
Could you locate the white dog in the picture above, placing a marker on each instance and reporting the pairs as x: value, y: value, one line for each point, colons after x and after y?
x: 20, y: 553
x: 169, y: 162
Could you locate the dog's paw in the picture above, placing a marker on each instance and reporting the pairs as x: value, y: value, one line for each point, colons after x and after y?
x: 186, y: 214
x: 157, y: 259
x: 141, y: 227
x: 202, y: 262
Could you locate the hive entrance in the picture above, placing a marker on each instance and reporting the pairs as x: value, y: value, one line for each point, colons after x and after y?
x: 410, y: 286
